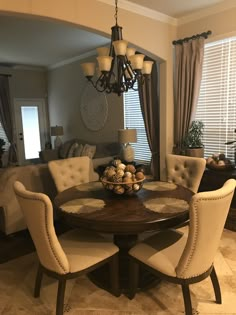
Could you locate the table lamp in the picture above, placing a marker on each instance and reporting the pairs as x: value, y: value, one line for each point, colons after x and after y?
x: 125, y: 136
x: 57, y: 131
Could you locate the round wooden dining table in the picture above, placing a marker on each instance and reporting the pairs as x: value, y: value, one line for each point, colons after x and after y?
x: 124, y: 218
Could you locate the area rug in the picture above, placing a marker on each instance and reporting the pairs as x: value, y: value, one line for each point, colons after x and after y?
x: 85, y: 298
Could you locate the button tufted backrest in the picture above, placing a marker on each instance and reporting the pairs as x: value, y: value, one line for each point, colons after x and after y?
x: 185, y: 170
x: 72, y: 171
x: 38, y: 213
x: 208, y: 213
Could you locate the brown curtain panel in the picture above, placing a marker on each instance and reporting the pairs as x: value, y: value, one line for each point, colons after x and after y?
x: 187, y: 80
x: 149, y: 101
x: 6, y: 118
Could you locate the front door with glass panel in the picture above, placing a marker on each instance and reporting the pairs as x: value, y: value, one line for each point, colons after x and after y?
x: 30, y: 128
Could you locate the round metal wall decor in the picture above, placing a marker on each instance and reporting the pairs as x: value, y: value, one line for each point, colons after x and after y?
x: 93, y: 108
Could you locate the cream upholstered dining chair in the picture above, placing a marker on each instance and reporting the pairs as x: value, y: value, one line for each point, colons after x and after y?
x: 185, y: 170
x: 181, y: 259
x: 73, y: 254
x: 73, y: 171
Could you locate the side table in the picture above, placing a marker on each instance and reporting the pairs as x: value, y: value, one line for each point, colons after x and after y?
x: 48, y: 155
x: 214, y: 179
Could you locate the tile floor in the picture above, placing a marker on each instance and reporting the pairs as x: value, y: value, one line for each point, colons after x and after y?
x: 84, y: 298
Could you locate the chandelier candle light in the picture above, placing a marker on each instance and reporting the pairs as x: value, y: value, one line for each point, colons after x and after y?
x: 57, y: 131
x: 119, y: 66
x: 125, y: 136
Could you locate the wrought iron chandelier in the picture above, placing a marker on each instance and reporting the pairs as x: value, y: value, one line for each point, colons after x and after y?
x: 119, y: 66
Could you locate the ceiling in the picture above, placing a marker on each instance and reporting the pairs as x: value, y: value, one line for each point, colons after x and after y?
x: 177, y: 8
x: 45, y: 43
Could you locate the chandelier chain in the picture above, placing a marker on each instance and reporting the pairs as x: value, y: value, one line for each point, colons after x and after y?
x: 116, y: 11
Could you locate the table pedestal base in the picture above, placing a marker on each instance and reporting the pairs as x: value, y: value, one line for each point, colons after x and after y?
x: 100, y: 276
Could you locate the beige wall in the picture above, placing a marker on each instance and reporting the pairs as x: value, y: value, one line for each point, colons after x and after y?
x: 222, y: 24
x: 68, y: 88
x: 27, y: 83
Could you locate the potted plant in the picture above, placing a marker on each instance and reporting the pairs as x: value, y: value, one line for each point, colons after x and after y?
x: 192, y: 142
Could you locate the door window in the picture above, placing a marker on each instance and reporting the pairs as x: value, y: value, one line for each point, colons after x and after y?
x: 30, y: 129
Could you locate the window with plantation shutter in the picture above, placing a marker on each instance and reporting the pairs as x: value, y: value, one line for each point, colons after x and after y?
x: 133, y: 119
x: 217, y: 100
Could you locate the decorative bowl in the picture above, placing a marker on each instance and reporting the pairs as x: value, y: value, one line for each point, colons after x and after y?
x: 216, y: 167
x: 123, y: 188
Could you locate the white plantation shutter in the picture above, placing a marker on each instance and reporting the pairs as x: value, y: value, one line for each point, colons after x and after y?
x: 134, y: 119
x: 217, y: 100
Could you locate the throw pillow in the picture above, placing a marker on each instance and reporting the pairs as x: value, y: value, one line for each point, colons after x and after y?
x: 78, y: 150
x: 89, y: 150
x: 72, y: 150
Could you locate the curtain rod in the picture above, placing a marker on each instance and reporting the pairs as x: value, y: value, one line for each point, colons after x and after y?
x: 5, y: 74
x: 186, y: 39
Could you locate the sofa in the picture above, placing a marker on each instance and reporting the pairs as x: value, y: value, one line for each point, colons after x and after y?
x: 100, y: 153
x: 38, y: 178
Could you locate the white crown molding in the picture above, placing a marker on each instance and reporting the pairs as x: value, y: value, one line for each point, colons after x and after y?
x: 135, y: 8
x: 71, y: 60
x: 207, y: 12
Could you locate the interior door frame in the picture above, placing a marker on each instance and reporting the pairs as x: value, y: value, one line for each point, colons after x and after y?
x: 41, y: 104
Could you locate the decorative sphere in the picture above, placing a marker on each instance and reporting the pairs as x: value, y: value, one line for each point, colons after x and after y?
x: 121, y: 166
x: 116, y: 162
x: 136, y: 187
x: 209, y: 160
x: 120, y: 172
x: 222, y: 156
x: 139, y: 175
x: 110, y: 173
x: 128, y: 174
x: 118, y: 189
x: 130, y: 168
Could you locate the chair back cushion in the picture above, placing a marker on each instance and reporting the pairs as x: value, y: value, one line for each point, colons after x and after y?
x: 72, y: 171
x: 185, y: 171
x: 208, y: 213
x: 38, y: 213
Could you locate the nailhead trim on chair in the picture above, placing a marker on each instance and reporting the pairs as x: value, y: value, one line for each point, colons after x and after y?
x: 196, y: 234
x: 45, y: 212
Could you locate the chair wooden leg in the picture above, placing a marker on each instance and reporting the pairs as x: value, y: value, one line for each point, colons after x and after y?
x: 38, y: 281
x: 133, y: 278
x: 216, y: 286
x: 60, y: 296
x: 187, y: 299
x: 114, y: 275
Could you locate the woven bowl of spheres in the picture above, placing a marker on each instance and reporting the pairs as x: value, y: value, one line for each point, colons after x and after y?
x: 121, y: 178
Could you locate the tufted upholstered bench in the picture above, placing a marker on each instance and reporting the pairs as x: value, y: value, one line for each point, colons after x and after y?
x: 72, y: 171
x: 185, y: 171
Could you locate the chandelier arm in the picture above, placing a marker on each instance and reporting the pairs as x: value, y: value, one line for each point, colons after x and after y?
x: 111, y: 73
x: 100, y: 83
x: 89, y: 78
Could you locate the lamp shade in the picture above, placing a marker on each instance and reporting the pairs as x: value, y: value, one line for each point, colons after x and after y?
x: 127, y: 135
x: 57, y: 131
x: 88, y: 68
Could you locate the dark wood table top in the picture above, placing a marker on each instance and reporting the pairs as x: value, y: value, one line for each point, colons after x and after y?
x: 158, y: 205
